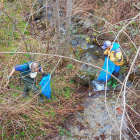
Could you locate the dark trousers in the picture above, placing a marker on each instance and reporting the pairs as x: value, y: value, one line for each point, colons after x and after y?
x: 30, y: 84
x: 116, y: 74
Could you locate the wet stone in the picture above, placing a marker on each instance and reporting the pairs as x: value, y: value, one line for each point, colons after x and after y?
x: 96, y: 53
x: 87, y: 133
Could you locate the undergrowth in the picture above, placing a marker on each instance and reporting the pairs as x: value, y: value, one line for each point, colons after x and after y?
x: 27, y: 118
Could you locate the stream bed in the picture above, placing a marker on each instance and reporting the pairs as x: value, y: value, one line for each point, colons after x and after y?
x: 102, y: 115
x: 101, y: 118
x: 96, y: 122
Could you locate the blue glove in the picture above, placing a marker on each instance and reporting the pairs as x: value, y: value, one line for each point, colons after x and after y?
x: 45, y: 74
x: 105, y: 56
x: 9, y: 77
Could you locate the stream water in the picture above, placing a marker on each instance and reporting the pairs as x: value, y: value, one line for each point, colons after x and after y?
x: 100, y: 119
x: 102, y: 116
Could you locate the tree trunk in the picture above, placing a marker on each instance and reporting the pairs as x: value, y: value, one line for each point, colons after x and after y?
x: 57, y: 26
x: 46, y: 15
x: 2, y: 4
x: 68, y: 23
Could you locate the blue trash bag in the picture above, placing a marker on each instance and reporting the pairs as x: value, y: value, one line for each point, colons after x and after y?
x: 110, y: 69
x: 117, y: 68
x: 45, y: 85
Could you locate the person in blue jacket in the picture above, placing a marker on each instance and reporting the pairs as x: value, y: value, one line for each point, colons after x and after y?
x: 113, y: 51
x: 28, y: 73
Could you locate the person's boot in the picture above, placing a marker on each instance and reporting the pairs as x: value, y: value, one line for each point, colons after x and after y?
x: 24, y: 95
x: 114, y: 83
x: 110, y: 82
x: 41, y: 99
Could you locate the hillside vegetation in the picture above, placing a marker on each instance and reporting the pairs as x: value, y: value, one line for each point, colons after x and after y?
x: 25, y: 36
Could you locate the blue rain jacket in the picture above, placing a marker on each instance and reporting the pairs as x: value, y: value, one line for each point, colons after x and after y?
x: 45, y: 85
x: 24, y: 68
x: 110, y: 69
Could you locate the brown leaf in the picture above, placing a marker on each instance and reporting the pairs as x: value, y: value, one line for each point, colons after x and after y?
x: 96, y: 138
x: 102, y: 137
x: 119, y: 109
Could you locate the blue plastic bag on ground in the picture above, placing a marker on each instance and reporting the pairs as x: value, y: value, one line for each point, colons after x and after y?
x: 45, y: 85
x: 109, y: 68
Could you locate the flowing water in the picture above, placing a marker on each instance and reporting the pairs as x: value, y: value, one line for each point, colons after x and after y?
x: 102, y: 115
x: 101, y: 118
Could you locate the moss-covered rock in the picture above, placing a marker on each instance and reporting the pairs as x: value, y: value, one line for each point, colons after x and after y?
x: 137, y: 71
x: 131, y: 77
x: 94, y: 41
x: 96, y: 53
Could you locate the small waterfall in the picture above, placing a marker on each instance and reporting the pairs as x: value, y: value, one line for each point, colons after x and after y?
x: 98, y: 85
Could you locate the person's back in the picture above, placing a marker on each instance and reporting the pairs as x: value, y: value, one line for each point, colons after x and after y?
x: 28, y: 72
x: 114, y: 53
